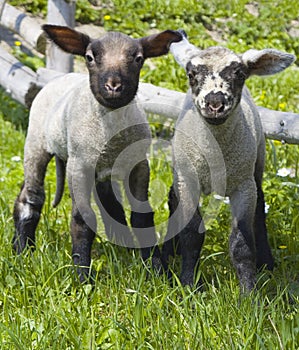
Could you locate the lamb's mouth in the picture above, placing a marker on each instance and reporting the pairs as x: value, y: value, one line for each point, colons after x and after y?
x: 216, y: 118
x: 115, y: 102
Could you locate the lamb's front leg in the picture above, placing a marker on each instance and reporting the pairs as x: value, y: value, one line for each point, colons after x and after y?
x: 83, y: 222
x: 191, y: 227
x: 142, y: 216
x: 242, y: 243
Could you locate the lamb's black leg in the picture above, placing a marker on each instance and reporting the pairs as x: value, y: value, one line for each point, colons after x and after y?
x: 187, y: 222
x: 191, y: 241
x: 171, y: 244
x: 242, y: 241
x: 264, y: 257
x: 142, y: 216
x: 81, y: 180
x: 113, y: 214
x: 29, y: 203
x: 169, y: 247
x: 83, y: 225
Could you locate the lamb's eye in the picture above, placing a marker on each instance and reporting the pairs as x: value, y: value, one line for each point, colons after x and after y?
x: 239, y: 74
x: 238, y: 71
x: 139, y: 58
x: 89, y: 58
x: 191, y: 77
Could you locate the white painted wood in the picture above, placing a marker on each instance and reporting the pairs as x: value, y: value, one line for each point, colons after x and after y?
x: 18, y: 80
x: 44, y: 75
x: 2, y: 4
x: 282, y: 126
x: 26, y: 26
x: 60, y: 12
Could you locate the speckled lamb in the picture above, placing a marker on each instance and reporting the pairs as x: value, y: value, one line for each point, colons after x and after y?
x: 219, y: 147
x: 96, y: 126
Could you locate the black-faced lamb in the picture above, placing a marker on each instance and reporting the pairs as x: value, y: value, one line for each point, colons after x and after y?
x: 219, y: 146
x: 94, y: 125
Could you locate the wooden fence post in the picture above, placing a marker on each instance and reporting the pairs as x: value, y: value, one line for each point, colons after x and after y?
x: 2, y: 3
x: 60, y: 12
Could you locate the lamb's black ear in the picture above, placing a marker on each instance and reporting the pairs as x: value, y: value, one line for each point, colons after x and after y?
x: 158, y: 44
x: 68, y: 39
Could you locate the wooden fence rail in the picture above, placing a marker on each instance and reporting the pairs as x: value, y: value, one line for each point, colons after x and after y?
x: 18, y: 22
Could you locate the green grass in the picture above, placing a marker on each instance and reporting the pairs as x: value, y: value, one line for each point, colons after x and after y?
x: 43, y: 306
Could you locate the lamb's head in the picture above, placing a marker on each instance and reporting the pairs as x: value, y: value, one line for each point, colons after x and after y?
x: 114, y: 60
x: 217, y: 75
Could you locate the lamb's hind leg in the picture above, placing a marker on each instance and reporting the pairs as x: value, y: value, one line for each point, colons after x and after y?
x: 142, y: 216
x: 171, y: 244
x: 264, y: 257
x: 30, y: 200
x: 112, y: 213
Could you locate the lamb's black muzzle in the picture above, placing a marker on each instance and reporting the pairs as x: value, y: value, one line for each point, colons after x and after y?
x: 215, y: 102
x: 215, y: 108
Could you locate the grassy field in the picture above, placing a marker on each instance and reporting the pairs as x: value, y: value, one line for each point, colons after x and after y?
x: 43, y: 306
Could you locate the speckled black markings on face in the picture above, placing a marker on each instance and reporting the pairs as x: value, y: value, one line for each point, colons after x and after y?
x: 216, y: 84
x: 197, y: 76
x: 235, y: 75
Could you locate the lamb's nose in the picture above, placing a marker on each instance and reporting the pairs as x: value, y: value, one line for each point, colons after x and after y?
x: 215, y: 102
x: 215, y: 107
x: 113, y: 87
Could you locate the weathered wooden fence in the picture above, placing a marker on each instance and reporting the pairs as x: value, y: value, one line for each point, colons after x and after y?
x: 22, y: 83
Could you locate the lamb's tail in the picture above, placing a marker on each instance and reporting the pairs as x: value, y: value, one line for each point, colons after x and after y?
x: 60, y: 180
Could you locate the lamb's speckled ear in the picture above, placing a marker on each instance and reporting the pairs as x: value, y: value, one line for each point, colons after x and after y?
x: 68, y: 39
x: 183, y: 51
x: 267, y: 61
